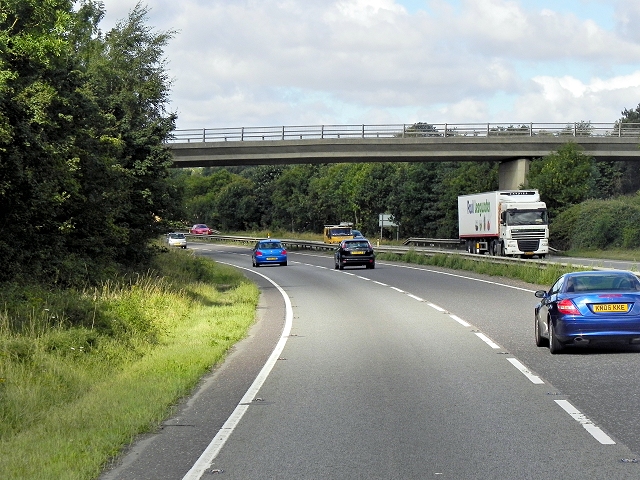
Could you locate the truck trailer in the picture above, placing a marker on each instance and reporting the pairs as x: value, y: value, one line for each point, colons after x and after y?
x: 504, y: 223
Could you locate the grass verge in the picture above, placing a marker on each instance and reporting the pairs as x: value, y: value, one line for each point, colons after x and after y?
x: 530, y: 272
x: 82, y: 373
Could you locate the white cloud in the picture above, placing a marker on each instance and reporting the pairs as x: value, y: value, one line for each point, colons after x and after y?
x: 274, y: 62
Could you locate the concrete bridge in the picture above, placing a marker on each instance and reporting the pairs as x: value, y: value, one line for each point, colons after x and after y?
x: 512, y: 146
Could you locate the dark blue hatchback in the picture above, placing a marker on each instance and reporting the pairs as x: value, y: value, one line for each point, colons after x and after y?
x: 269, y: 252
x: 584, y: 308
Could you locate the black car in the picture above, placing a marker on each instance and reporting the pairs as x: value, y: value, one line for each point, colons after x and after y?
x: 355, y: 252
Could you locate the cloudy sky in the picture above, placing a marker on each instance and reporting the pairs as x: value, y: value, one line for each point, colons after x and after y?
x: 310, y: 62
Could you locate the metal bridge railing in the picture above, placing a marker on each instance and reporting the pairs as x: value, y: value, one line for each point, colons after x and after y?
x: 444, y: 130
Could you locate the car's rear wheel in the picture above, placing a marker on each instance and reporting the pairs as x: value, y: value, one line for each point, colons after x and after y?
x: 554, y: 344
x: 284, y: 264
x: 540, y: 340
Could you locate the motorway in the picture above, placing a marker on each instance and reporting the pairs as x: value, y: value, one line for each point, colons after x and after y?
x: 401, y: 372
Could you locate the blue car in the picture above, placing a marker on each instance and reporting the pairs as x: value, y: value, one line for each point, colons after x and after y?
x: 585, y: 308
x: 269, y: 252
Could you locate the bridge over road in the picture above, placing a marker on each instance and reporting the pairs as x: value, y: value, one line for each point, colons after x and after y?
x: 512, y: 146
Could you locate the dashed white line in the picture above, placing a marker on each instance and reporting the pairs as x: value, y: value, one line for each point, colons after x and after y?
x: 588, y: 425
x: 397, y: 289
x: 487, y: 340
x: 525, y: 371
x: 415, y: 297
x: 460, y: 321
x: 440, y: 309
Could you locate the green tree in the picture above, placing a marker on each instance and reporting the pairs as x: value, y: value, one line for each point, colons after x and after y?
x: 84, y: 174
x: 291, y: 201
x: 236, y: 206
x: 564, y: 178
x: 45, y: 132
x: 130, y: 83
x: 201, y: 195
x: 413, y: 199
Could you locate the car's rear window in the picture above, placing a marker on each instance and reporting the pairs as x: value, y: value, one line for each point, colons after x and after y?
x: 593, y: 283
x: 177, y: 235
x: 357, y: 244
x: 270, y: 245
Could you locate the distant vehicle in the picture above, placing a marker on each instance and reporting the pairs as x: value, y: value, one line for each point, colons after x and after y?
x: 200, y: 229
x: 357, y: 234
x: 269, y: 252
x: 584, y: 308
x: 354, y: 252
x: 337, y: 233
x: 505, y: 223
x: 177, y: 240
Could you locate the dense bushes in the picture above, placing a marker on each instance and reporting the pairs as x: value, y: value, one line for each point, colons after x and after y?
x: 598, y: 224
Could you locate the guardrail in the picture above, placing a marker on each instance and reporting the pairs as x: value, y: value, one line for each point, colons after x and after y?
x: 416, y: 130
x: 400, y: 250
x: 433, y: 242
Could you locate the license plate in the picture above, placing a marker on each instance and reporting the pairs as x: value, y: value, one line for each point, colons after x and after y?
x: 357, y: 253
x: 611, y: 307
x: 272, y: 258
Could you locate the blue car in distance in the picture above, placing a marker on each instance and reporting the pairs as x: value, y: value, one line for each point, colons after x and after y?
x: 269, y: 252
x: 586, y: 308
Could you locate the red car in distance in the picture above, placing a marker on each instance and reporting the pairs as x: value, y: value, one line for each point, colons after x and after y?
x: 200, y: 229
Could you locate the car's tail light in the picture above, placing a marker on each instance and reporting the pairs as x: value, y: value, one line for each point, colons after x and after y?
x: 284, y: 252
x: 567, y: 307
x: 258, y: 253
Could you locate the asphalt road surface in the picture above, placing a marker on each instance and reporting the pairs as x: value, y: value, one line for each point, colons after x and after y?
x: 401, y: 372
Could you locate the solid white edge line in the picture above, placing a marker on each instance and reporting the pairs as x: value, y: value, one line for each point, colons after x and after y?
x: 487, y: 340
x: 588, y: 425
x: 211, y: 452
x: 525, y: 371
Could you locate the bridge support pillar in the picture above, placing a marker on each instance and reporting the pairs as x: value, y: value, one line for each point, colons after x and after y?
x: 512, y: 174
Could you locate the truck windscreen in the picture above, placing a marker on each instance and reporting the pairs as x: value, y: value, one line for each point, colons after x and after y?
x: 527, y: 217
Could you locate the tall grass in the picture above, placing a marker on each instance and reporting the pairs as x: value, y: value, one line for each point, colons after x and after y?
x: 531, y: 272
x: 83, y: 372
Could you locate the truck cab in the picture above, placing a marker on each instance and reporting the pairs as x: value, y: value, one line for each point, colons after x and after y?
x: 337, y: 233
x: 524, y: 229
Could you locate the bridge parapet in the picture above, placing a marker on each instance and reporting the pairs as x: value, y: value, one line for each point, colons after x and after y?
x: 417, y: 130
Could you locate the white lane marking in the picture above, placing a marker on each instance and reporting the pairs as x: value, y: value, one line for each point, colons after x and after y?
x: 440, y: 309
x: 460, y: 321
x: 397, y: 289
x: 380, y: 283
x: 487, y: 340
x: 211, y: 452
x: 415, y: 297
x: 588, y: 425
x: 525, y: 371
x: 363, y: 278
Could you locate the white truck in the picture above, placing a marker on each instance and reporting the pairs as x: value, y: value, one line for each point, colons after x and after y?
x: 504, y: 223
